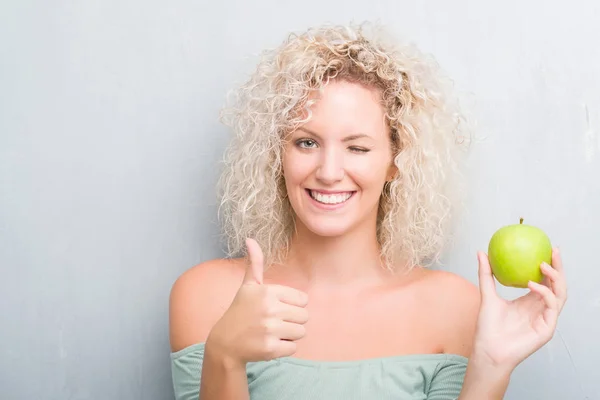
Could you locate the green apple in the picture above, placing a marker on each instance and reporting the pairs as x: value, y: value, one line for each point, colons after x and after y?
x: 516, y: 253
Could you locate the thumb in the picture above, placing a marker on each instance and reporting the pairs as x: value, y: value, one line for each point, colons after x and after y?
x: 487, y: 285
x: 255, y: 268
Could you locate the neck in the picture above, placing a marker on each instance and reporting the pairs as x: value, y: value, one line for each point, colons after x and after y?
x: 353, y: 258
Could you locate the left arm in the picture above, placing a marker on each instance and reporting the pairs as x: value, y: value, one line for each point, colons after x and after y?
x: 510, y: 331
x: 484, y: 381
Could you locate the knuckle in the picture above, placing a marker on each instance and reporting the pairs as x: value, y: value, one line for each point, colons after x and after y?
x: 268, y: 307
x: 268, y: 292
x: 292, y: 348
x: 269, y: 325
x: 271, y: 290
x: 270, y: 347
x: 267, y: 345
x: 272, y: 309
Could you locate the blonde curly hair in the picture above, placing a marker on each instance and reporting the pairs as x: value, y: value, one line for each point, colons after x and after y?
x: 426, y: 127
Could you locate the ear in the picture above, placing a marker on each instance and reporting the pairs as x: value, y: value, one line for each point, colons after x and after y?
x: 392, y: 172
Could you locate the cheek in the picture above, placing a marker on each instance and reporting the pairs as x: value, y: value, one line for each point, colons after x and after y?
x: 369, y: 174
x: 296, y: 168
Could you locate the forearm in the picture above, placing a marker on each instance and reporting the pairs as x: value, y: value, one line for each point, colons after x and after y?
x: 484, y: 381
x: 222, y: 379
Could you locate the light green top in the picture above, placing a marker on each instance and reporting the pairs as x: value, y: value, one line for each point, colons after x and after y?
x: 404, y: 377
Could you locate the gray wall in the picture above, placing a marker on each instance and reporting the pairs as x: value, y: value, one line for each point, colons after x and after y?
x: 109, y: 139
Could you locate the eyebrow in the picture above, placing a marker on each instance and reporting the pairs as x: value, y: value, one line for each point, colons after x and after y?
x: 346, y: 139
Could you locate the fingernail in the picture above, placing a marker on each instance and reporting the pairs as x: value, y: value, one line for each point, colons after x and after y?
x: 548, y: 267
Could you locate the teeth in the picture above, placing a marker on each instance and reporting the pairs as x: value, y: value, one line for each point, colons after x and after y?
x: 330, y: 198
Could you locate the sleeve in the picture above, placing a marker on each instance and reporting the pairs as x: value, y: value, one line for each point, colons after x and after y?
x: 447, y: 381
x: 186, y: 370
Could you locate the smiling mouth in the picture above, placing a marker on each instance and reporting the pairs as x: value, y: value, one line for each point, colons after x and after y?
x: 330, y: 198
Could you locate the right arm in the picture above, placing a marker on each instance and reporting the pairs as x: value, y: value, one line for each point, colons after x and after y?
x: 198, y: 299
x: 223, y: 379
x: 226, y: 306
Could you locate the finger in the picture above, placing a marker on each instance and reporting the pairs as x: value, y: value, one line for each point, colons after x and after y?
x: 297, y: 315
x: 551, y: 312
x: 557, y: 283
x: 557, y: 264
x: 283, y: 348
x: 547, y: 294
x: 487, y: 286
x: 550, y: 275
x: 255, y: 268
x: 290, y: 331
x: 557, y: 261
x: 290, y: 296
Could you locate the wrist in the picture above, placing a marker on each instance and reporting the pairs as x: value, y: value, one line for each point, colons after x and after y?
x: 485, y: 379
x: 495, y: 366
x: 481, y: 367
x: 216, y: 355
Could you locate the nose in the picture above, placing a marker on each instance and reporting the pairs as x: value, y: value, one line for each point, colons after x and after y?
x: 330, y: 169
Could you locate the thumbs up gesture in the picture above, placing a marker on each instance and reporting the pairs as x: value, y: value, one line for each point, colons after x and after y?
x: 263, y: 321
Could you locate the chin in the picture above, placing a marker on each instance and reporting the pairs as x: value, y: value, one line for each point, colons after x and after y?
x: 329, y: 229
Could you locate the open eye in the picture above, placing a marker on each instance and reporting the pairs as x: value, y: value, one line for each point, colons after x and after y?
x: 306, y: 143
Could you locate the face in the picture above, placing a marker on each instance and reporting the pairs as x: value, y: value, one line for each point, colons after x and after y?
x: 335, y: 165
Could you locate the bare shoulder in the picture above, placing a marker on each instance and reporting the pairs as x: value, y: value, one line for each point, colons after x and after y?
x: 199, y: 297
x: 456, y: 308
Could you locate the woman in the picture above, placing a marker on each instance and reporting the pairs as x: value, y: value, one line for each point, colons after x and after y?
x: 339, y: 183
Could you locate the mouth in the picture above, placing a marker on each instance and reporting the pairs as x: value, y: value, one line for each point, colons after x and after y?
x: 330, y: 198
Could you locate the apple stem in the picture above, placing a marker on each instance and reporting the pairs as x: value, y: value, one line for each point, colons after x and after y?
x: 521, y: 221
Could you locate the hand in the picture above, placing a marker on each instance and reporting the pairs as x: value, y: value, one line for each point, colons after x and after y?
x: 510, y: 331
x: 263, y: 321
